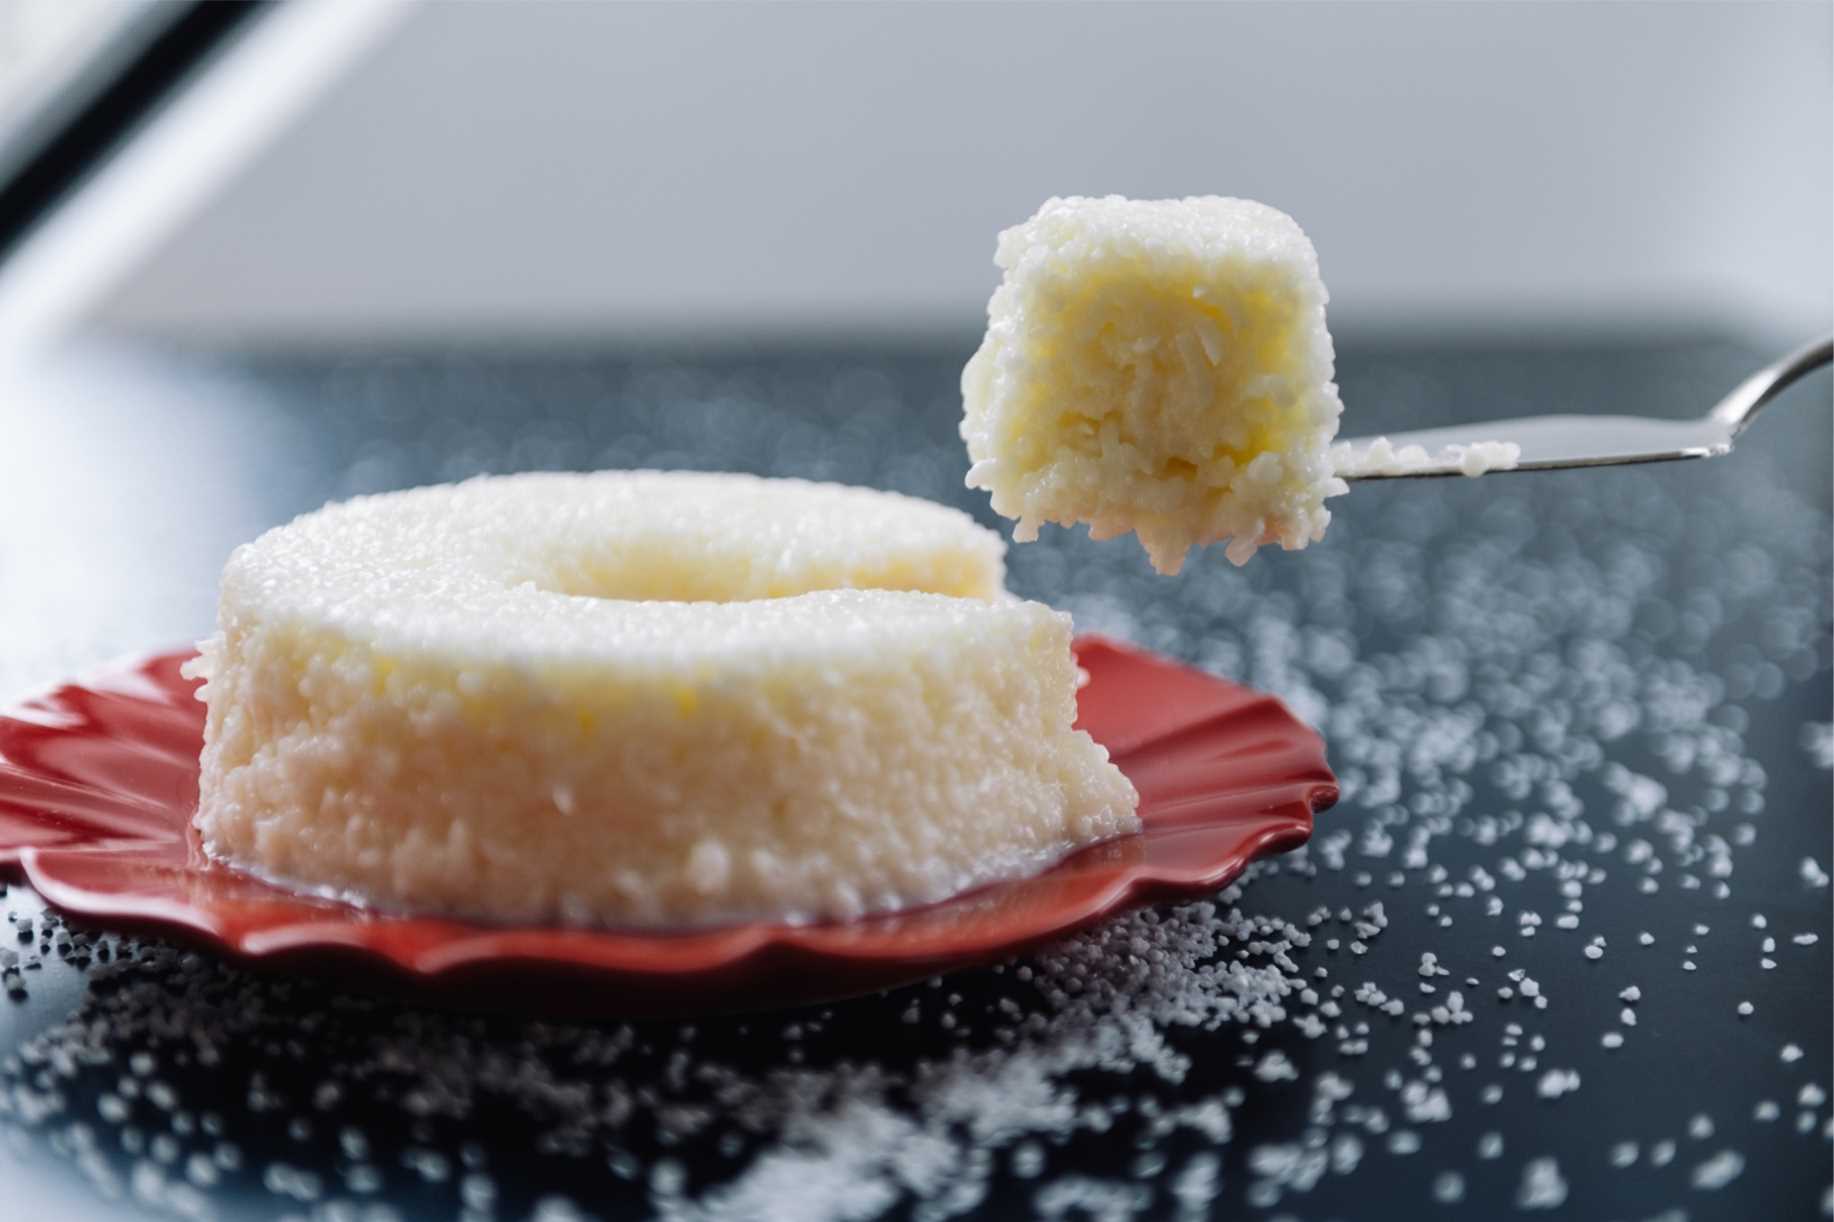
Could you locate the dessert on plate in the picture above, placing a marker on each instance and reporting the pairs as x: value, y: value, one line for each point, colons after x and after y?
x: 642, y: 698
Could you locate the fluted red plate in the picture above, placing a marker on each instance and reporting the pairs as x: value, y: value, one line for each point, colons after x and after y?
x: 98, y: 781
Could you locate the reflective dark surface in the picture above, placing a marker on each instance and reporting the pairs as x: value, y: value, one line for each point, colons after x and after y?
x: 1564, y: 708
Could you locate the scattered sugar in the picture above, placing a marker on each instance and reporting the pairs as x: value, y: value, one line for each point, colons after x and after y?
x: 1719, y: 1170
x: 1197, y: 1185
x: 1542, y: 1185
x: 1275, y: 1067
x: 1557, y: 1082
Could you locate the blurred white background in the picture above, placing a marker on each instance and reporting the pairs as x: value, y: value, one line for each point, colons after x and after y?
x: 594, y: 170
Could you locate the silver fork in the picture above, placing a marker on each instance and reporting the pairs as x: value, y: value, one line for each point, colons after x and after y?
x: 1552, y: 443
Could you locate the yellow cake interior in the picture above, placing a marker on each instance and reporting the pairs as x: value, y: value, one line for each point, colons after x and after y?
x: 1159, y: 367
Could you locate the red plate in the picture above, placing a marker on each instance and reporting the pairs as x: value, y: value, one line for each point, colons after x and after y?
x: 98, y: 780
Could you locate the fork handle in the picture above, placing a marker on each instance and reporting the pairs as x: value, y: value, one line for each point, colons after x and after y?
x: 1748, y: 398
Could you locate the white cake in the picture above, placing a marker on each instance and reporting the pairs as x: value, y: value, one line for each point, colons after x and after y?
x: 1160, y: 367
x: 642, y: 699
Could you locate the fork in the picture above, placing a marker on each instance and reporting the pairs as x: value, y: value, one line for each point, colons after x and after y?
x: 1554, y: 443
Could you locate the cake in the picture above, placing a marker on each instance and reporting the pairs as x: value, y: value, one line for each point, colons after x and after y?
x: 641, y: 698
x: 1160, y: 367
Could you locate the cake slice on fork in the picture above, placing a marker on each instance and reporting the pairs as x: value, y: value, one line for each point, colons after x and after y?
x: 1160, y: 367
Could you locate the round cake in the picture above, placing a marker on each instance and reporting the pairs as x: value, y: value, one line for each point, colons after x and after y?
x: 641, y: 698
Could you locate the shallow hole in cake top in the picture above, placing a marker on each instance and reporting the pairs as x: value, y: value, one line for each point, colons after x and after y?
x: 724, y: 539
x: 446, y: 555
x: 725, y: 570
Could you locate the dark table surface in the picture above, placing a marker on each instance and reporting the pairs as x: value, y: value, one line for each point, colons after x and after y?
x: 1568, y: 711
